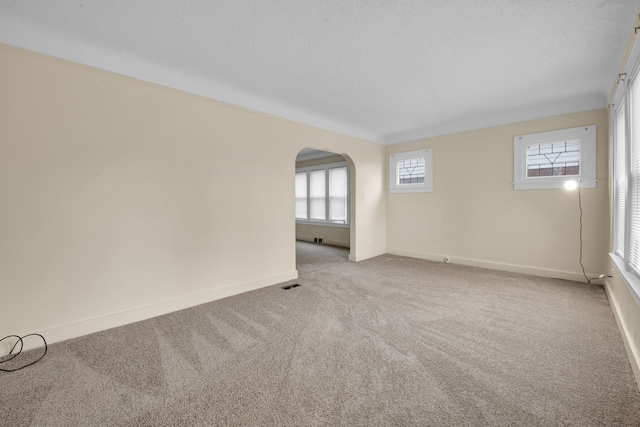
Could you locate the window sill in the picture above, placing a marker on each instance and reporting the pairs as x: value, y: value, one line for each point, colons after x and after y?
x: 417, y: 189
x: 554, y: 183
x: 632, y: 282
x: 322, y: 224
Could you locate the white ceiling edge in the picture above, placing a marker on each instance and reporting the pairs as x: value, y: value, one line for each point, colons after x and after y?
x: 35, y: 39
x: 552, y: 108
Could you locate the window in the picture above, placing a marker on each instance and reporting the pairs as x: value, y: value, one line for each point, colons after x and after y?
x: 619, y: 179
x: 338, y: 191
x: 625, y: 124
x: 301, y: 195
x: 632, y: 159
x: 553, y: 159
x: 322, y: 194
x: 411, y: 172
x: 317, y: 195
x: 548, y: 159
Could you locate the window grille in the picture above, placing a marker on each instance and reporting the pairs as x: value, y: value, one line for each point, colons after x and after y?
x: 553, y: 159
x: 411, y: 171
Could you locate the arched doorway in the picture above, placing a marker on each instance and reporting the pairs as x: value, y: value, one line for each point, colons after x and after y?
x: 324, y: 217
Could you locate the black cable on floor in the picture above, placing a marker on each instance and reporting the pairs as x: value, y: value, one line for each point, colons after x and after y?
x: 20, y: 340
x: 580, y: 206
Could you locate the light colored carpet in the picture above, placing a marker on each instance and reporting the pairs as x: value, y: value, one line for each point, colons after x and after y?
x: 379, y: 342
x: 312, y: 257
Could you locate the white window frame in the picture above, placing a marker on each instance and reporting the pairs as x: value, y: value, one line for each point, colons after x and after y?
x: 326, y: 222
x: 426, y: 187
x: 621, y: 261
x: 586, y: 135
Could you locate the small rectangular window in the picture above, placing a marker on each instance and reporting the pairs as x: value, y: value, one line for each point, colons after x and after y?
x: 548, y: 159
x: 411, y: 172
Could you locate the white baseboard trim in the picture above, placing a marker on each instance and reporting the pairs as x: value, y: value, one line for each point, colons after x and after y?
x: 325, y: 241
x: 632, y: 352
x: 512, y: 268
x: 337, y: 243
x: 96, y: 324
x: 361, y: 256
x: 352, y: 257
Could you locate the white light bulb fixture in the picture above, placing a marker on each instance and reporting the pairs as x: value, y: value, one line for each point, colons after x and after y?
x: 571, y: 185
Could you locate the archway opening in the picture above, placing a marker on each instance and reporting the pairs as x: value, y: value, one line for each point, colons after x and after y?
x: 325, y: 211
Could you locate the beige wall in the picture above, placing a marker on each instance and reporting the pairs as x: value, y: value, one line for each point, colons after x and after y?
x: 475, y: 217
x: 122, y: 200
x: 337, y: 236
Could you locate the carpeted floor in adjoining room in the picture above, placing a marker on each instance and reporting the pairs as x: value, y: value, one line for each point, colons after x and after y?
x: 312, y: 257
x: 385, y: 341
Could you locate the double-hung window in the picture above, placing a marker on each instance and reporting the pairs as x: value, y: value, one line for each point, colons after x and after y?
x: 322, y: 194
x: 625, y: 126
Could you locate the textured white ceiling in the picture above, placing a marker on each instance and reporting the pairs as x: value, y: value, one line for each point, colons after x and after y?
x: 383, y: 70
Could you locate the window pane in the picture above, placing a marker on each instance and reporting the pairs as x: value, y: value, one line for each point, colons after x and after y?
x: 553, y: 159
x: 338, y: 185
x: 301, y: 195
x: 634, y: 180
x: 620, y: 177
x: 317, y: 191
x: 410, y: 171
